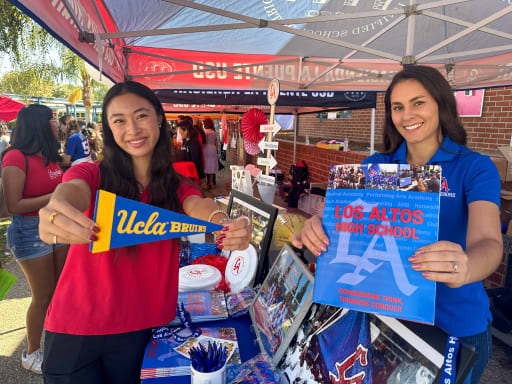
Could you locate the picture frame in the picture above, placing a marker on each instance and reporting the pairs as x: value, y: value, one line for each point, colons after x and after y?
x: 262, y: 216
x: 281, y: 303
x: 401, y: 351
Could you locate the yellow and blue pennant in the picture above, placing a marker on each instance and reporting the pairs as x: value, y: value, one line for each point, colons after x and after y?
x: 128, y: 222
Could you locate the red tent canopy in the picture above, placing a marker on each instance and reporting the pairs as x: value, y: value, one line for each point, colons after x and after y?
x: 9, y: 108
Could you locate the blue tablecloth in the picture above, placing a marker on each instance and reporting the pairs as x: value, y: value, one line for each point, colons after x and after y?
x: 247, y: 344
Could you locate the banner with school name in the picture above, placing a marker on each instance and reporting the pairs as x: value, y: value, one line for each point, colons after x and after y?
x: 376, y: 216
x: 126, y: 222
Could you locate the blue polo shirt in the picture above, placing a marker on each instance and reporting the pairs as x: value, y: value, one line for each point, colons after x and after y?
x: 467, y: 176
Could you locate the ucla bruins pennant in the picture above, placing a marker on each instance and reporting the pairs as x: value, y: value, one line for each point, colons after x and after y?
x: 128, y: 222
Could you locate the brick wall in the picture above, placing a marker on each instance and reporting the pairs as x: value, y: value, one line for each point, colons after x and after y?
x: 494, y: 128
x: 318, y: 160
x: 357, y: 128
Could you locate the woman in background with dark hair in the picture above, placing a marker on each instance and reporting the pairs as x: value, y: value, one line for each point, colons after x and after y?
x: 422, y: 127
x: 99, y: 321
x: 30, y: 173
x: 191, y: 147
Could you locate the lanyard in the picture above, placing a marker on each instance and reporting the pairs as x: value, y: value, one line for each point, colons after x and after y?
x: 186, y: 322
x: 449, y: 372
x: 165, y: 332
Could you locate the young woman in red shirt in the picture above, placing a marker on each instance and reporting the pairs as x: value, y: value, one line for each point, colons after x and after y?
x: 100, y: 318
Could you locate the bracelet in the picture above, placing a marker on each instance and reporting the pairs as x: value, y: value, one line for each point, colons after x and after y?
x: 216, y: 212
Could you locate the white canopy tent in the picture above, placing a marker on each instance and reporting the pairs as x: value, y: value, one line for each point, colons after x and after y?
x: 311, y: 44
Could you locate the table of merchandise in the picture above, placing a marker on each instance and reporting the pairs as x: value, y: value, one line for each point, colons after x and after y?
x: 247, y: 345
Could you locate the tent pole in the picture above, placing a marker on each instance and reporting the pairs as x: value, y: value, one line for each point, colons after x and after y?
x: 295, y: 131
x: 372, y: 138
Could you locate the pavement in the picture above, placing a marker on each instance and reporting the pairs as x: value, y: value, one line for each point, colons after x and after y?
x: 13, y: 334
x: 13, y: 338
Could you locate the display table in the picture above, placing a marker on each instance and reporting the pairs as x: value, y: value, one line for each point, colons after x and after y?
x: 247, y: 345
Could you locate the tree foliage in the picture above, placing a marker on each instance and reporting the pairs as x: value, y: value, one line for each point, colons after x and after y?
x: 31, y: 81
x: 19, y: 34
x: 34, y: 73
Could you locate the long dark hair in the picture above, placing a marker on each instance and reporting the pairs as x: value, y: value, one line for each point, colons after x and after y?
x: 188, y: 125
x: 117, y: 174
x: 208, y: 124
x: 34, y: 134
x: 437, y: 86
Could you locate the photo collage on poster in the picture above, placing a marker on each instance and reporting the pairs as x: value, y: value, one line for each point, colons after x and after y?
x: 392, y: 353
x: 281, y: 303
x: 388, y: 177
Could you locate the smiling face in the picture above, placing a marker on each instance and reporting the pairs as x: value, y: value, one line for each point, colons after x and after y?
x: 415, y: 114
x: 135, y: 124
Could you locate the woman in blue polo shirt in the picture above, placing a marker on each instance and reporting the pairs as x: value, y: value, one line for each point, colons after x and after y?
x: 422, y: 127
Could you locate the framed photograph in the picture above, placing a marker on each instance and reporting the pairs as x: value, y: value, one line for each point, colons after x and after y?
x: 281, y: 303
x: 262, y: 216
x: 388, y: 349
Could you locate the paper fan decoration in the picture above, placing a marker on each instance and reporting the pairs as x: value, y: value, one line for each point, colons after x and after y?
x: 251, y: 122
x: 251, y: 148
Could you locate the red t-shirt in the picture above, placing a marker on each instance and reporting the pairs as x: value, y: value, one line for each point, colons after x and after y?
x: 40, y: 179
x: 119, y: 290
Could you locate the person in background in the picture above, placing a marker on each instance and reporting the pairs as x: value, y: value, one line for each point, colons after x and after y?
x: 77, y: 146
x: 422, y: 127
x: 434, y: 184
x: 30, y: 173
x: 95, y: 138
x: 4, y: 138
x: 211, y: 158
x: 63, y: 130
x: 191, y: 148
x: 100, y: 319
x: 94, y: 145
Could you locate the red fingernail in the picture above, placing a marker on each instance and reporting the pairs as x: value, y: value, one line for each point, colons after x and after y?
x: 219, y: 241
x: 93, y: 237
x: 220, y: 247
x: 226, y: 228
x: 221, y: 236
x: 95, y: 228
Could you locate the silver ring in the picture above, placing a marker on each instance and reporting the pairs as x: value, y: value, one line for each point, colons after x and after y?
x: 455, y: 268
x: 54, y: 239
x: 248, y: 220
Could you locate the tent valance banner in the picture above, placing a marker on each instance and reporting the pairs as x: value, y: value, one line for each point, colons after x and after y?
x: 9, y: 108
x: 308, y: 45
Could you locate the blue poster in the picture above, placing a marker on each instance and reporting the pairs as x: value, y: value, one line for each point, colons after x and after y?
x: 375, y: 223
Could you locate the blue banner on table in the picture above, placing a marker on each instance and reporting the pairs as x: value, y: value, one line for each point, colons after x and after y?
x: 374, y: 225
x: 345, y: 350
x: 126, y: 222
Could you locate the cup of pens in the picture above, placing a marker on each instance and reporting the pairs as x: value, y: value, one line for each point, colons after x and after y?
x: 208, y: 364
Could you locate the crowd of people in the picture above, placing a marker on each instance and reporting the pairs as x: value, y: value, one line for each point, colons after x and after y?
x: 198, y: 143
